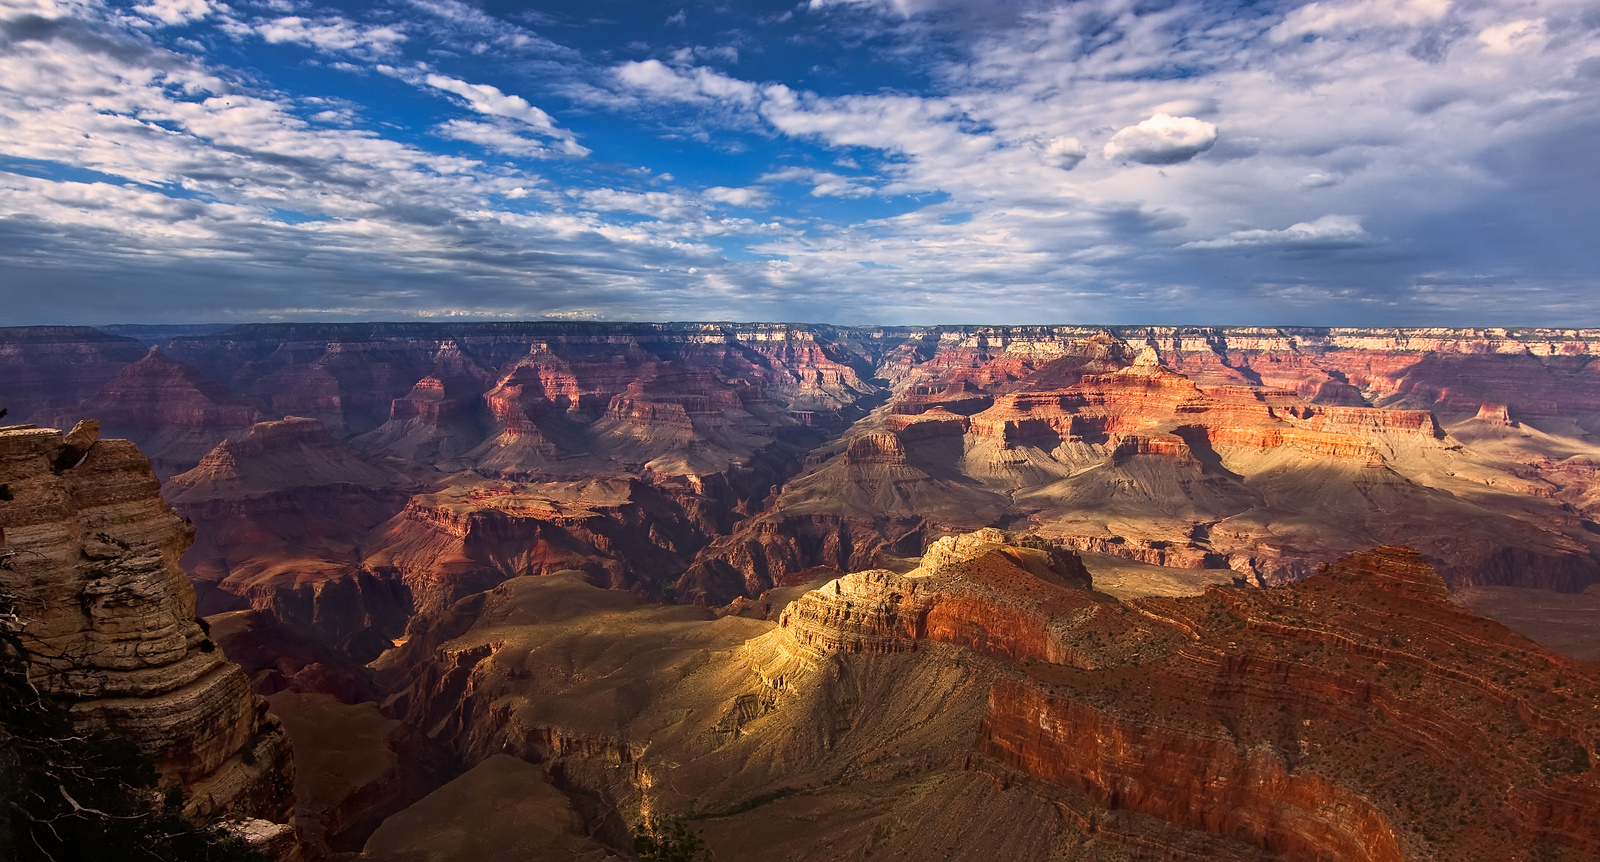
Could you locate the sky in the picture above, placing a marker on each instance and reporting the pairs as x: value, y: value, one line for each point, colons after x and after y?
x: 1334, y: 163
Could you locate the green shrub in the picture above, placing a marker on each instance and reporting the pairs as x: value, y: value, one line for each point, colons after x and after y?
x: 669, y: 840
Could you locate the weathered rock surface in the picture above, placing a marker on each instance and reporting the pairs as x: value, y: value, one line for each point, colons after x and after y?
x: 1356, y: 715
x: 1265, y: 451
x: 91, y: 554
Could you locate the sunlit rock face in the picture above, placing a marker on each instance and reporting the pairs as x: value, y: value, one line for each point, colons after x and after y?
x: 91, y: 554
x: 1356, y: 715
x: 1262, y: 452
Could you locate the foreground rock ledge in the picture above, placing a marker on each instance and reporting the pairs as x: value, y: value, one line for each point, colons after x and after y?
x: 91, y: 555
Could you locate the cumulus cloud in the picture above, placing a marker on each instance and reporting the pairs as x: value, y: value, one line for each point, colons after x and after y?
x: 174, y: 13
x: 486, y: 99
x: 1064, y: 152
x: 698, y: 84
x: 1328, y: 18
x: 823, y: 183
x: 901, y: 8
x: 1162, y: 140
x: 663, y: 205
x: 498, y: 136
x: 748, y: 196
x: 1455, y: 120
x: 1330, y: 231
x: 1514, y: 36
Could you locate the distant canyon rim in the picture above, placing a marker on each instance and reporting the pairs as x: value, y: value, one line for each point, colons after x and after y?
x: 1122, y: 592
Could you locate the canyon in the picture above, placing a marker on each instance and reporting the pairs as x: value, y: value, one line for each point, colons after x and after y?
x: 821, y: 587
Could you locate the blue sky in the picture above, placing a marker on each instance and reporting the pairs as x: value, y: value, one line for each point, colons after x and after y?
x: 1341, y: 162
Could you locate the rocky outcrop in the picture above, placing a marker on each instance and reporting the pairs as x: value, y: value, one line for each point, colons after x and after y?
x: 987, y: 591
x: 91, y: 555
x: 1327, y: 719
x: 1370, y: 653
x: 781, y: 549
x: 1356, y: 715
x: 473, y: 535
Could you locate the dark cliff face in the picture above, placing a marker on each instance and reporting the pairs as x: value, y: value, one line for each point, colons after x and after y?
x: 44, y: 367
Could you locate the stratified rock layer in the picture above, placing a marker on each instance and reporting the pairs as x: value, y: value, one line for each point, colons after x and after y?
x: 91, y: 555
x: 1357, y: 715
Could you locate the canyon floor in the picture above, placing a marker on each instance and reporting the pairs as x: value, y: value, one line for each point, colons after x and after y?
x: 901, y: 593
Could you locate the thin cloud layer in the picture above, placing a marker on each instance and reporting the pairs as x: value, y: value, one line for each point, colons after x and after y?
x: 1330, y: 231
x: 896, y: 162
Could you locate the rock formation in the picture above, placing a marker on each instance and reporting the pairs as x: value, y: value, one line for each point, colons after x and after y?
x: 1264, y: 452
x: 281, y: 513
x: 1355, y: 715
x: 753, y: 455
x: 172, y: 410
x: 91, y: 555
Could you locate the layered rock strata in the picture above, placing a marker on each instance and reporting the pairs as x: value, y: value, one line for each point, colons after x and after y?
x: 1357, y: 715
x: 91, y: 556
x: 1258, y: 450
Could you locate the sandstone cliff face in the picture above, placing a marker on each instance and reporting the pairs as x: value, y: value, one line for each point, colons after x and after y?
x: 91, y: 553
x: 1460, y: 757
x: 1265, y: 451
x: 984, y: 591
x: 1357, y: 715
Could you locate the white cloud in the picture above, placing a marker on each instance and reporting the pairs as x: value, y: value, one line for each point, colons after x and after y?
x: 749, y: 196
x: 823, y: 183
x: 1328, y: 231
x: 658, y: 80
x: 1327, y: 18
x: 902, y: 8
x: 1514, y: 36
x: 662, y: 205
x: 174, y: 13
x: 498, y: 136
x: 486, y: 99
x: 489, y: 100
x: 329, y: 34
x: 1064, y: 152
x: 1162, y: 140
x: 1450, y: 116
